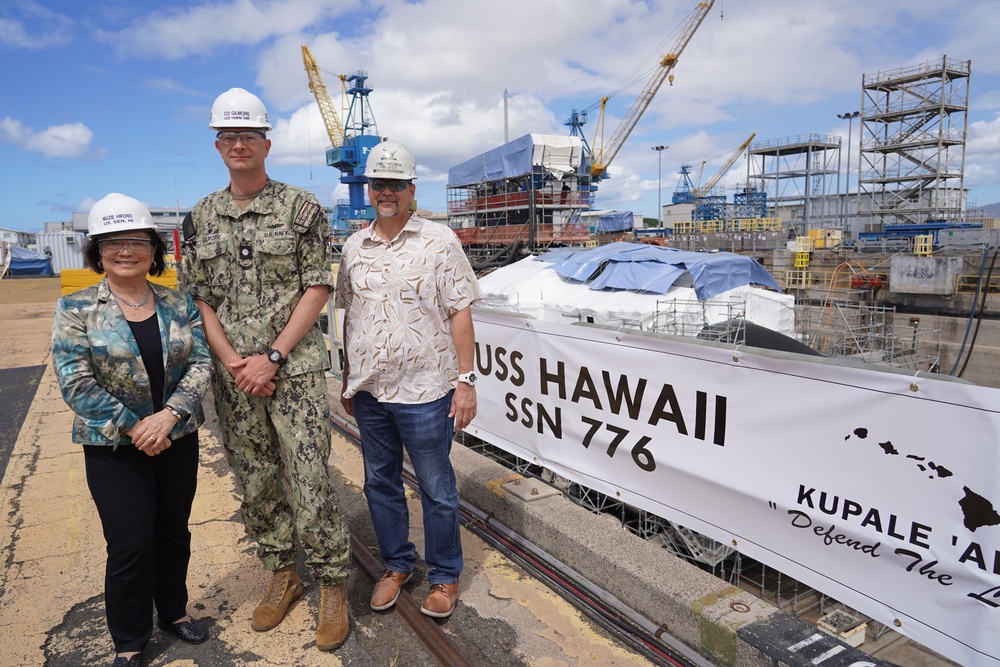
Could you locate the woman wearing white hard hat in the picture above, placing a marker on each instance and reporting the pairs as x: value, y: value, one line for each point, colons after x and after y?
x: 133, y: 364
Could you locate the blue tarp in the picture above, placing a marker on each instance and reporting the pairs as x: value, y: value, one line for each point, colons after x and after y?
x: 555, y: 154
x: 24, y: 262
x: 615, y: 221
x: 649, y: 268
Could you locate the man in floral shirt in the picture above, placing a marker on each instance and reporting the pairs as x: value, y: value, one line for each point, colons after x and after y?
x: 407, y: 289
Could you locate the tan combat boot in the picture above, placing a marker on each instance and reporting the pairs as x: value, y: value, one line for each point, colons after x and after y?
x: 331, y: 629
x: 286, y: 588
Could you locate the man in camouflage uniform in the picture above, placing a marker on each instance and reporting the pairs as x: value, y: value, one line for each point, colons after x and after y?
x: 257, y: 258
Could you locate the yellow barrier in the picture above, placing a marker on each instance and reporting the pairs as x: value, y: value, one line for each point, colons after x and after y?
x: 923, y: 245
x: 73, y: 280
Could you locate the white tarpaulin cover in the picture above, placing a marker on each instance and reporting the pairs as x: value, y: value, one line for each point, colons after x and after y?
x: 533, y: 287
x: 878, y: 488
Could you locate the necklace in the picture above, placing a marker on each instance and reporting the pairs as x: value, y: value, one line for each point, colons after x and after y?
x: 248, y: 196
x: 136, y: 306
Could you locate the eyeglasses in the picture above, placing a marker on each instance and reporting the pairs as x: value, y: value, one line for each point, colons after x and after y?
x: 135, y: 246
x: 246, y: 138
x: 379, y: 184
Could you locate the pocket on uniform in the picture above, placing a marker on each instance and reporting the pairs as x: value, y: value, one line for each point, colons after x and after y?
x: 212, y: 258
x: 276, y: 258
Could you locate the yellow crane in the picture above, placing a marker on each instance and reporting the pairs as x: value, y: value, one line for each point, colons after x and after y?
x: 605, y: 153
x: 697, y: 192
x: 330, y: 118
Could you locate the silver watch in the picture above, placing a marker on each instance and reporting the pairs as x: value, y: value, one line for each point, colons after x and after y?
x: 468, y: 378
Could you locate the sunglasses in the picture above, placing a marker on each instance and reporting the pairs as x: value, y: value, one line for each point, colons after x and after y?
x: 380, y: 184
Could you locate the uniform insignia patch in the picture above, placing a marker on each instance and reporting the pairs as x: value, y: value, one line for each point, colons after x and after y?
x: 306, y: 216
x: 246, y: 252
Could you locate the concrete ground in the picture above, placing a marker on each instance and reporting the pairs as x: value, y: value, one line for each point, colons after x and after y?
x: 51, y: 600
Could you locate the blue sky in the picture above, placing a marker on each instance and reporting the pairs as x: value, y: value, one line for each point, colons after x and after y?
x: 115, y: 95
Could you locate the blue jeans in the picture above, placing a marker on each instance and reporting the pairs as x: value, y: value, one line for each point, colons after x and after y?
x: 426, y: 432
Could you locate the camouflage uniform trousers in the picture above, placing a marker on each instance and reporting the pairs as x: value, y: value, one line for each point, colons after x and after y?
x: 264, y: 438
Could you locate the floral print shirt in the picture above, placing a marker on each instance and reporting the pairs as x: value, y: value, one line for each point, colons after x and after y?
x: 399, y: 297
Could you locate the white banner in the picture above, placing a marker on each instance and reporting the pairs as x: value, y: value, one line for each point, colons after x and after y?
x: 879, y: 489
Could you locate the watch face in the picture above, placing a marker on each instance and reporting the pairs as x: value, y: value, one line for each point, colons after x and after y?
x: 275, y: 356
x: 472, y: 378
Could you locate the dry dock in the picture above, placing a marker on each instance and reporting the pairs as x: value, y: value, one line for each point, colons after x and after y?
x: 51, y: 602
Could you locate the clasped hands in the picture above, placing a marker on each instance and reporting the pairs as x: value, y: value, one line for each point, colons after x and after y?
x: 254, y: 375
x: 151, y: 435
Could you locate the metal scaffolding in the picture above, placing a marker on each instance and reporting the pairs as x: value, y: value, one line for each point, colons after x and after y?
x: 849, y: 326
x: 912, y: 143
x: 800, y: 171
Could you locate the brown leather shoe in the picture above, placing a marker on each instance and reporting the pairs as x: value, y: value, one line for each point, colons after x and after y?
x: 441, y: 601
x: 332, y: 626
x: 387, y: 589
x: 286, y: 588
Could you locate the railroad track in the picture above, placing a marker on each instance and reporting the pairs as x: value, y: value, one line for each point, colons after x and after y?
x: 622, y: 623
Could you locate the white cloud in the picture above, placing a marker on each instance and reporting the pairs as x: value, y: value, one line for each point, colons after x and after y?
x: 439, y: 69
x: 982, y: 166
x: 70, y: 140
x: 202, y: 29
x: 34, y: 27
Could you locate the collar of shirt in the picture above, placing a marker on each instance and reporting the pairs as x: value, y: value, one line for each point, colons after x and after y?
x: 412, y: 225
x: 262, y: 203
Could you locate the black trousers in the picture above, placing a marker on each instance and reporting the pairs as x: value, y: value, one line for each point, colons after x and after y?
x: 144, y: 503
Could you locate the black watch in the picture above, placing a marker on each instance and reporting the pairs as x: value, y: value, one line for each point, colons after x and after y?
x: 275, y: 356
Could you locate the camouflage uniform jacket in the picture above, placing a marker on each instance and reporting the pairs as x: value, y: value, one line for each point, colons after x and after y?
x: 252, y: 267
x: 100, y: 370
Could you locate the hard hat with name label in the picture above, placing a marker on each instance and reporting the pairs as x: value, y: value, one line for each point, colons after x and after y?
x: 118, y: 213
x: 391, y: 159
x: 238, y: 108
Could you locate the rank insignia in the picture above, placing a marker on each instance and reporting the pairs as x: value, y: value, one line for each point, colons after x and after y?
x: 246, y: 252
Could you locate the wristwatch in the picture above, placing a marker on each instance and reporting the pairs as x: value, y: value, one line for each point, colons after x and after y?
x: 172, y: 411
x: 468, y: 378
x: 276, y: 357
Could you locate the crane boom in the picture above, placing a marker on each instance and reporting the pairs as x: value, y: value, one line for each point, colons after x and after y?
x: 667, y: 62
x: 729, y: 163
x: 330, y: 119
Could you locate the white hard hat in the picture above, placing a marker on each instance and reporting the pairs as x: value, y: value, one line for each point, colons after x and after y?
x: 391, y: 159
x: 238, y: 108
x: 118, y: 213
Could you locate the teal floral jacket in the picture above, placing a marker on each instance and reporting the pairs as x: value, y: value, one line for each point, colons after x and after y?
x: 100, y: 370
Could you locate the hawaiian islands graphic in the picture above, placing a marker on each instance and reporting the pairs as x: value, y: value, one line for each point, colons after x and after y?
x: 977, y: 511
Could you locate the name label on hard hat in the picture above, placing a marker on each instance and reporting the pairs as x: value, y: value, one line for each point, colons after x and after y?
x: 393, y: 167
x: 236, y: 115
x: 116, y: 217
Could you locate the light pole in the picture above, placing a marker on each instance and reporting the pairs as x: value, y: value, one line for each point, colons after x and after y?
x: 849, y: 117
x: 659, y: 186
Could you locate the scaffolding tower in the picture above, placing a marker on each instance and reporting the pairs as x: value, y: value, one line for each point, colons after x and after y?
x: 800, y: 171
x: 912, y: 143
